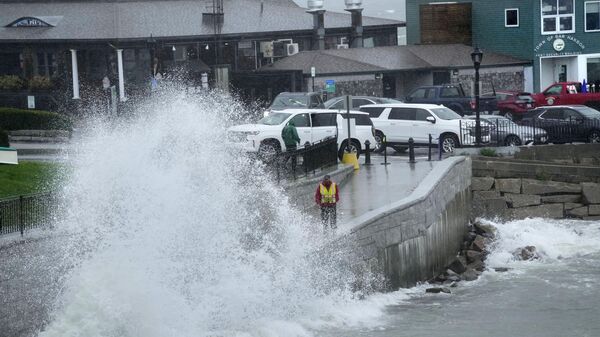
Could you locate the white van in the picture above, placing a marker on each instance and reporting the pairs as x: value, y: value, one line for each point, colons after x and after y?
x: 312, y: 125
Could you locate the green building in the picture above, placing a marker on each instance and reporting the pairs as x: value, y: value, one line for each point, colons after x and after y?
x: 561, y: 38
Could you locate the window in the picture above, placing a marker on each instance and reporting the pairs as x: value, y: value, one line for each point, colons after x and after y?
x: 449, y: 92
x: 301, y: 120
x: 592, y: 16
x: 511, y: 17
x: 373, y: 112
x: 421, y: 115
x: 339, y: 105
x: 358, y: 102
x: 323, y: 119
x: 419, y: 93
x: 360, y: 119
x: 558, y: 16
x: 402, y: 114
x: 552, y: 114
x: 554, y: 90
x: 46, y: 64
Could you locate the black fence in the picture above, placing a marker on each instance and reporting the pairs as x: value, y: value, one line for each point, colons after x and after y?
x: 26, y: 212
x: 305, y: 160
x: 503, y: 132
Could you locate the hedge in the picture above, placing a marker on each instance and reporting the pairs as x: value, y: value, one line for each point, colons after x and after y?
x: 4, y: 138
x: 20, y: 119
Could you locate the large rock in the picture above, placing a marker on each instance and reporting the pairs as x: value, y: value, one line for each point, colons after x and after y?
x: 526, y: 253
x: 571, y: 205
x: 478, y: 244
x: 481, y: 183
x: 561, y: 198
x: 592, y: 218
x: 489, y: 208
x: 459, y: 265
x: 509, y: 185
x: 522, y: 200
x: 484, y: 195
x: 484, y: 230
x: 579, y: 212
x: 477, y: 265
x: 473, y: 255
x: 591, y: 193
x: 594, y: 210
x: 554, y: 211
x: 531, y: 186
x: 470, y: 275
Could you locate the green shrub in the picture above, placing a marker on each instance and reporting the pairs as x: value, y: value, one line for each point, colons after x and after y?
x: 4, y: 138
x: 40, y: 83
x: 19, y: 119
x: 11, y: 82
x: 487, y: 152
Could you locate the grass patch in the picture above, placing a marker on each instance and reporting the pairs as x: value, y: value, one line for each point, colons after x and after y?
x: 28, y: 177
x: 487, y: 152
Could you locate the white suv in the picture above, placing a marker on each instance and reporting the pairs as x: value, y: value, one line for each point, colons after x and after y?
x: 399, y: 122
x: 312, y: 125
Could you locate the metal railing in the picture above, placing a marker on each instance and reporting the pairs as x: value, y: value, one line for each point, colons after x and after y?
x: 305, y: 160
x: 26, y: 212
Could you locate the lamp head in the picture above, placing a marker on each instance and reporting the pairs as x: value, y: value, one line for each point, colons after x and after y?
x: 477, y: 56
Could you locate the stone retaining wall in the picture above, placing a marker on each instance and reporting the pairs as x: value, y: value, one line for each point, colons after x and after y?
x: 415, y: 238
x: 514, y: 168
x: 41, y: 136
x: 518, y: 198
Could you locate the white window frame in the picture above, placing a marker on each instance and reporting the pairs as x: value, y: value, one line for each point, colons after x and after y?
x: 506, y: 17
x: 557, y: 17
x: 585, y: 16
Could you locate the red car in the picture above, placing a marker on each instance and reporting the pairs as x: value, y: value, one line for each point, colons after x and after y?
x: 513, y: 104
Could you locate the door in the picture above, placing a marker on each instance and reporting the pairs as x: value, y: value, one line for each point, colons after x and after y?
x: 400, y: 124
x: 323, y: 126
x: 422, y: 127
x: 302, y: 122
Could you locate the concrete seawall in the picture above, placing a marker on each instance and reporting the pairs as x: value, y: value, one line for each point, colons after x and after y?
x: 415, y: 238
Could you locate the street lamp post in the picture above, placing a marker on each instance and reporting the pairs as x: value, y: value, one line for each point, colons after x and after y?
x: 477, y: 56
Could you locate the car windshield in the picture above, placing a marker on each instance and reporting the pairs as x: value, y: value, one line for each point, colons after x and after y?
x: 500, y: 121
x: 290, y: 101
x: 445, y: 113
x: 588, y: 112
x: 387, y: 100
x: 274, y: 118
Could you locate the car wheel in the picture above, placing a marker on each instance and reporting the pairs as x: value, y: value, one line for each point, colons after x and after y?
x: 512, y: 140
x: 449, y: 143
x: 379, y: 142
x: 269, y: 149
x: 400, y: 149
x: 354, y: 148
x: 508, y: 115
x: 594, y: 136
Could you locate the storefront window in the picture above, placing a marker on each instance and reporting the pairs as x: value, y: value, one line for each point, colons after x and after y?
x: 593, y: 72
x: 592, y: 16
x: 46, y: 64
x: 557, y: 16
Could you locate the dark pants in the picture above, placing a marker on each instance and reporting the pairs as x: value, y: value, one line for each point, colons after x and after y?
x: 293, y: 157
x: 329, y: 216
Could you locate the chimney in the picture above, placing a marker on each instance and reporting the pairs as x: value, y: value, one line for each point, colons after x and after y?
x: 315, y: 8
x: 355, y: 9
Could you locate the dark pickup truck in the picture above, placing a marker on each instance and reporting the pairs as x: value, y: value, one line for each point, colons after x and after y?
x: 452, y: 97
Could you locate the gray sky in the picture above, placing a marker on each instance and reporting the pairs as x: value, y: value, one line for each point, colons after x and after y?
x: 391, y: 9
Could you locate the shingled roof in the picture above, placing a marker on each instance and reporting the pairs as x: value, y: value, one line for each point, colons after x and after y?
x: 385, y: 59
x: 127, y: 19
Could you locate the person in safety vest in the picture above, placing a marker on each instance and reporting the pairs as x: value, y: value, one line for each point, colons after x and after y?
x: 327, y: 196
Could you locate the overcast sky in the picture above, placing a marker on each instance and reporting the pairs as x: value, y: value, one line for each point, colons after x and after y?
x: 392, y: 9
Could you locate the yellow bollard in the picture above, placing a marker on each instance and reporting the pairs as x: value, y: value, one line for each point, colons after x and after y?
x: 350, y: 158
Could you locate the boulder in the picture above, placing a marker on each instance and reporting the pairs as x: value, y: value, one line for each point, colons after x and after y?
x: 571, y: 205
x: 453, y: 278
x: 578, y: 212
x: 484, y: 230
x: 591, y: 193
x: 522, y: 200
x: 554, y: 211
x: 473, y: 256
x: 481, y: 183
x: 459, y: 265
x: 509, y: 185
x: 489, y: 208
x: 592, y: 218
x: 477, y: 265
x: 526, y: 253
x: 532, y: 186
x: 484, y: 195
x: 470, y: 275
x: 594, y: 209
x: 437, y: 290
x: 561, y: 198
x: 478, y: 244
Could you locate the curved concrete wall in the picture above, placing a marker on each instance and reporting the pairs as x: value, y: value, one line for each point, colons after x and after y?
x: 415, y: 238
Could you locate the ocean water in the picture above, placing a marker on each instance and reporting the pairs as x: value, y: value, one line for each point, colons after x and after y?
x: 167, y: 232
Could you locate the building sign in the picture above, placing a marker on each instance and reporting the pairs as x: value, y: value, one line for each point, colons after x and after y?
x: 559, y: 44
x: 29, y: 22
x: 330, y: 86
x: 31, y: 102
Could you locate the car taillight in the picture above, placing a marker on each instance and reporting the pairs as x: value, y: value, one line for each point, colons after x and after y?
x: 473, y: 104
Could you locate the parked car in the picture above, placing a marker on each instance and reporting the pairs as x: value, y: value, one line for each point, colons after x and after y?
x: 504, y: 131
x: 567, y: 93
x: 357, y: 101
x: 296, y: 100
x: 399, y: 122
x: 312, y: 125
x: 452, y: 97
x: 513, y: 104
x: 566, y: 123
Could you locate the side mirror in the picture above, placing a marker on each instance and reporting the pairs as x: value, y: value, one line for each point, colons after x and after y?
x: 430, y: 119
x: 407, y: 99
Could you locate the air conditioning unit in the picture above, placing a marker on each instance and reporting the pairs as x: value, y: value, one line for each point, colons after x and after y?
x: 266, y: 48
x: 342, y: 46
x: 292, y: 49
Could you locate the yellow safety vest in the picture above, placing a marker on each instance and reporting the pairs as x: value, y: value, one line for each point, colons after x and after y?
x: 328, y: 196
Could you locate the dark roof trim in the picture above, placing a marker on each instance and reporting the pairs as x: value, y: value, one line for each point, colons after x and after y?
x: 29, y: 22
